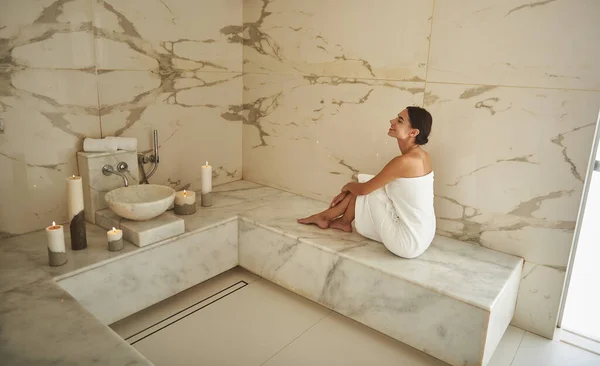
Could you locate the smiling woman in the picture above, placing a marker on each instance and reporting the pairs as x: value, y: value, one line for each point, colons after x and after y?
x: 395, y: 206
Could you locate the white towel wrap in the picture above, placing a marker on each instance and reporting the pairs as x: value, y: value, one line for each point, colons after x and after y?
x: 400, y: 215
x: 99, y: 145
x: 125, y: 143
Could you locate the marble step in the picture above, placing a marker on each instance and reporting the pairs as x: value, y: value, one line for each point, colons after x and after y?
x: 142, y: 233
x: 454, y: 302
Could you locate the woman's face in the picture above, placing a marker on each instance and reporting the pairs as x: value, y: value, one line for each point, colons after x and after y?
x: 400, y: 127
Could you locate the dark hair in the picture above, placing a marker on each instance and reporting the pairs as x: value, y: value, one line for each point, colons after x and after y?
x: 421, y: 120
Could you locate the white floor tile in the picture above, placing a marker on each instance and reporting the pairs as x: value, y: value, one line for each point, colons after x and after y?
x: 579, y: 341
x: 245, y: 328
x: 537, y: 351
x: 337, y: 340
x: 508, y: 346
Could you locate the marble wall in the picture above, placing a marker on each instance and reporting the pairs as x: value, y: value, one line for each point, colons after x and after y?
x: 513, y: 86
x: 71, y: 69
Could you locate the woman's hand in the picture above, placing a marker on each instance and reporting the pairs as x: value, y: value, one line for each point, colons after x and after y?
x: 339, y: 198
x: 354, y: 188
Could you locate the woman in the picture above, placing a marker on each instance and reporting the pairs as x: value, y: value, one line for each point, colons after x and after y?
x: 394, y: 207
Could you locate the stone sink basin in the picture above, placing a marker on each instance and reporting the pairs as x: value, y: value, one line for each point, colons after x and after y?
x: 140, y: 202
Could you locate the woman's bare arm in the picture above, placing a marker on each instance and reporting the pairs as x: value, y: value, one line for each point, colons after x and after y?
x: 398, y: 167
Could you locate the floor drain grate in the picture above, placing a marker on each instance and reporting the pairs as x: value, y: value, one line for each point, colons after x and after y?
x: 182, y: 314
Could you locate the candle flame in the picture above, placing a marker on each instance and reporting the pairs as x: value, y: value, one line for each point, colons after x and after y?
x: 184, y: 193
x: 206, y: 163
x: 53, y: 223
x: 73, y: 175
x: 114, y: 229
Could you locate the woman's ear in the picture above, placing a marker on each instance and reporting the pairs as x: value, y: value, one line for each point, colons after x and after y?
x: 414, y: 132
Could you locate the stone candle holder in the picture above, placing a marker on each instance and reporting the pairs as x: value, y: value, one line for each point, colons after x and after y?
x: 115, y: 239
x: 185, y: 202
x: 206, y: 199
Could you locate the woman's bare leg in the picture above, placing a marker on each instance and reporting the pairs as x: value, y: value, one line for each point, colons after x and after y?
x: 323, y: 218
x: 344, y: 223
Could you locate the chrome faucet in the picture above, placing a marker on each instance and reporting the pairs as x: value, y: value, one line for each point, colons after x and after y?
x: 121, y: 168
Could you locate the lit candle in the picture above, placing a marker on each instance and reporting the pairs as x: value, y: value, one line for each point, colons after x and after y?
x: 76, y: 214
x: 115, y: 239
x: 206, y: 178
x: 206, y: 175
x: 56, y: 245
x: 185, y: 202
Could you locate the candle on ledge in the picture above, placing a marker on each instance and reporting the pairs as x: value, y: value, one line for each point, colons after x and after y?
x: 76, y: 215
x: 185, y: 202
x: 56, y: 245
x: 206, y: 175
x: 115, y: 239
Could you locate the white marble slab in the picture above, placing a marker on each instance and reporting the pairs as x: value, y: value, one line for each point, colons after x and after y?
x: 43, y: 325
x: 46, y: 114
x: 347, y: 39
x: 504, y: 310
x: 143, y: 233
x: 526, y: 36
x: 539, y: 299
x: 446, y: 266
x: 427, y: 319
x: 132, y: 283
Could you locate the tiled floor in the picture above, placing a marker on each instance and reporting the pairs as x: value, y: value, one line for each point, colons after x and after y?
x: 239, y: 319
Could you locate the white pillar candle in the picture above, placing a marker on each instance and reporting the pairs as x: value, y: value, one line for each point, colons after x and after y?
x: 114, y: 234
x: 185, y: 198
x: 76, y: 214
x: 74, y: 196
x: 206, y: 175
x: 56, y: 238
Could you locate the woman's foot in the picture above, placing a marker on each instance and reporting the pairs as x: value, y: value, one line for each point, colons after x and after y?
x: 340, y: 224
x: 316, y: 219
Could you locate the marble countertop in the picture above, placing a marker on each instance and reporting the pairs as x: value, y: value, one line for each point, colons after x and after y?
x: 41, y: 324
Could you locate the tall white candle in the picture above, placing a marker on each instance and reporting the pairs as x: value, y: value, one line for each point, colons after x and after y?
x: 56, y: 238
x: 185, y: 198
x: 74, y: 196
x: 206, y: 175
x: 76, y: 215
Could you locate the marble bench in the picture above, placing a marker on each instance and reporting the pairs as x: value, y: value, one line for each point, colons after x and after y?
x: 454, y: 302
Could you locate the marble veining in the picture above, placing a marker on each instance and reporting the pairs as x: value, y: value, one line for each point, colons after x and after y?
x: 447, y: 266
x: 515, y: 58
x: 302, y: 117
x: 179, y: 71
x: 293, y: 38
x: 71, y: 69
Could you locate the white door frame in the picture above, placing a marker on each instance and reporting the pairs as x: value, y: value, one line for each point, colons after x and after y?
x: 586, y: 186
